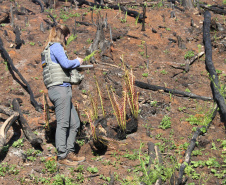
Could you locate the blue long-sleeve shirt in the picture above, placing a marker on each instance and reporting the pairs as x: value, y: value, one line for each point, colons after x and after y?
x: 58, y: 55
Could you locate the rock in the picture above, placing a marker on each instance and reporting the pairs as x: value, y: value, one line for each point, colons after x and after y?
x: 16, y: 151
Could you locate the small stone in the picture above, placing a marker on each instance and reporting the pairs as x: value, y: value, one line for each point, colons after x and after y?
x: 11, y: 45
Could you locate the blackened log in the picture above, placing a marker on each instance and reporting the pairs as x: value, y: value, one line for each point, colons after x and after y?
x: 31, y: 137
x: 40, y: 3
x: 54, y: 20
x: 5, y: 127
x: 172, y: 91
x: 191, y: 147
x: 84, y: 23
x: 18, y: 40
x: 131, y: 13
x: 210, y: 66
x: 213, y: 9
x: 7, y: 58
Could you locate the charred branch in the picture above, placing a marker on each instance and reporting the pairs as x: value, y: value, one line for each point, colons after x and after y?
x: 40, y: 3
x: 84, y: 23
x: 213, y: 9
x: 172, y: 91
x: 131, y: 13
x: 54, y: 20
x: 210, y: 66
x: 7, y: 58
x: 191, y: 147
x: 32, y: 138
x: 189, y: 63
x: 49, y: 23
x: 5, y: 127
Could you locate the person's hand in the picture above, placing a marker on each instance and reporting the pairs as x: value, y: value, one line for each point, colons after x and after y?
x: 80, y: 60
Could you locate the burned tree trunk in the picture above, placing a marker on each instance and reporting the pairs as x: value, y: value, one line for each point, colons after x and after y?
x: 210, y: 67
x: 131, y: 13
x: 7, y: 58
x: 32, y: 138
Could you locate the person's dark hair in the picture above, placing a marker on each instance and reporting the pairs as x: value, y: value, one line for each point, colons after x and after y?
x: 58, y: 34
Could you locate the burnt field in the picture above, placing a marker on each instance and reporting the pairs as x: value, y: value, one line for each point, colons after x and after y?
x: 152, y: 107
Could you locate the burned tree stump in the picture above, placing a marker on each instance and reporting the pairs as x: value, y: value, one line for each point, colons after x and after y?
x: 99, y: 41
x: 18, y: 40
x: 213, y: 9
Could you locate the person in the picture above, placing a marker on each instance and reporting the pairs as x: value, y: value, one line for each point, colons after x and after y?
x: 56, y: 77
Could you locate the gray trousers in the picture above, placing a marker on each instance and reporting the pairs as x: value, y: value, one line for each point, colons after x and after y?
x: 67, y: 119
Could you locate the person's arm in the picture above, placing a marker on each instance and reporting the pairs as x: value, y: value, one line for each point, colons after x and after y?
x: 61, y: 57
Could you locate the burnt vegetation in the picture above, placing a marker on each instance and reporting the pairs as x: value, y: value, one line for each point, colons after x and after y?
x: 151, y: 105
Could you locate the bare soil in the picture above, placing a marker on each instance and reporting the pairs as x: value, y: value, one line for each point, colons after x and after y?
x: 154, y: 105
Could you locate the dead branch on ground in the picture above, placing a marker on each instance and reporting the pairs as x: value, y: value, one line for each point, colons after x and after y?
x: 172, y: 91
x: 213, y: 9
x: 131, y: 13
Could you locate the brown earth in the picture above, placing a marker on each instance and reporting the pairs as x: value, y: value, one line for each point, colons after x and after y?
x: 154, y: 105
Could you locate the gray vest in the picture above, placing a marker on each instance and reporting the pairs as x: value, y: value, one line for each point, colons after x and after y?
x: 54, y: 74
